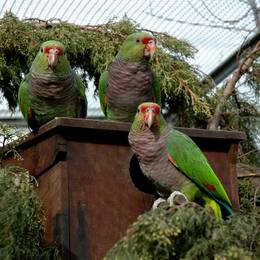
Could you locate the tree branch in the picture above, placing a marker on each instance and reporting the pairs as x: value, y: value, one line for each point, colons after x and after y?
x: 231, y: 84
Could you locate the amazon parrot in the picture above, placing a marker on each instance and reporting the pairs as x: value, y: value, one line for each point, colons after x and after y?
x: 173, y: 163
x: 129, y: 81
x: 51, y: 88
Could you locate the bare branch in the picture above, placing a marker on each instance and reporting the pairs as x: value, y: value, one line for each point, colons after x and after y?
x: 245, y: 170
x: 255, y: 196
x: 230, y: 86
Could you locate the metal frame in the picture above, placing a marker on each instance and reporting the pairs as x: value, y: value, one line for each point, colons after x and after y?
x: 231, y: 63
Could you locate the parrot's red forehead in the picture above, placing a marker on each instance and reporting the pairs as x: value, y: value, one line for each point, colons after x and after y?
x: 155, y: 107
x: 60, y: 50
x: 146, y: 40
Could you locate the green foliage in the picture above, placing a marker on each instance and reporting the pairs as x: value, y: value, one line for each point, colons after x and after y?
x: 192, y: 232
x: 10, y: 136
x: 249, y: 119
x: 250, y: 151
x: 91, y: 49
x: 242, y: 113
x: 21, y: 229
x: 21, y: 216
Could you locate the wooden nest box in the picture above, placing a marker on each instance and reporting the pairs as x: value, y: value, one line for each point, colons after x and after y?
x: 82, y: 167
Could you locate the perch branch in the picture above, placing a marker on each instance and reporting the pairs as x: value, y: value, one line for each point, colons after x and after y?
x: 245, y: 171
x: 255, y: 196
x: 230, y: 86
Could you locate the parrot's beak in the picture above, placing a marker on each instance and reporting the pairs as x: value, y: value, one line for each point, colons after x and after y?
x: 53, y: 58
x: 150, y: 49
x: 150, y: 117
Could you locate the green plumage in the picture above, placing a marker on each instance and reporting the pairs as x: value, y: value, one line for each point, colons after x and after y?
x: 191, y: 161
x: 102, y: 91
x: 172, y: 161
x: 51, y: 88
x: 129, y: 80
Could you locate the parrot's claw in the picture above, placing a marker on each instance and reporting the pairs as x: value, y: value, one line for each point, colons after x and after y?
x: 178, y: 198
x: 157, y: 203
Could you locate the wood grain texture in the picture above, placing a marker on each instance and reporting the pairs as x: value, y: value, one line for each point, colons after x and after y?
x: 53, y: 189
x: 103, y: 199
x: 39, y: 156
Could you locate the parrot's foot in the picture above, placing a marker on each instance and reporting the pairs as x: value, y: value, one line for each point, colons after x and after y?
x: 158, y: 202
x: 177, y: 198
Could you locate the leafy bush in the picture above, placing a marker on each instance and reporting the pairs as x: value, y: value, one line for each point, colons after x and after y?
x: 192, y: 232
x: 21, y: 216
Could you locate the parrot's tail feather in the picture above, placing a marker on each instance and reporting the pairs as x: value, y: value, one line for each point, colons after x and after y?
x: 225, y: 208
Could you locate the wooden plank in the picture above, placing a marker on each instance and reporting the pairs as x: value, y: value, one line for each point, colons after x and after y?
x: 232, y: 175
x: 39, y: 157
x: 103, y: 199
x: 214, y: 134
x: 80, y: 125
x: 53, y: 189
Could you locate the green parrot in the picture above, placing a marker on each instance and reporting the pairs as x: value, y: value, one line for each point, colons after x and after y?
x: 51, y: 88
x: 173, y: 163
x: 129, y: 81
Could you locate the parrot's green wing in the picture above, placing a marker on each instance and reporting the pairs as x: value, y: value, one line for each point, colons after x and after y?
x: 102, y: 85
x: 191, y: 161
x: 24, y: 100
x: 81, y: 99
x: 156, y: 90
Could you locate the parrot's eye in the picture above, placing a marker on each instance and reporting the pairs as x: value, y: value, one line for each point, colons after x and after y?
x: 137, y: 40
x: 41, y: 49
x: 138, y: 110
